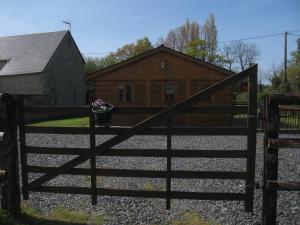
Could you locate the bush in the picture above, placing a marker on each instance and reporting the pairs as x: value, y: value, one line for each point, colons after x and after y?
x: 6, y: 219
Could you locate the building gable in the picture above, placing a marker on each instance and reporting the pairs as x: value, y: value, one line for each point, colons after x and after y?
x: 161, y: 63
x: 153, y: 60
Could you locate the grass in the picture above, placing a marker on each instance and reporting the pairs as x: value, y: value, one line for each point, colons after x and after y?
x: 99, y: 220
x: 191, y: 218
x: 73, y: 122
x: 99, y: 179
x: 58, y: 216
x: 148, y: 186
x: 63, y: 216
x: 66, y: 215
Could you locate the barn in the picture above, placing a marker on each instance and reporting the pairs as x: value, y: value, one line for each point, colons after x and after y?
x: 47, y: 68
x: 146, y: 79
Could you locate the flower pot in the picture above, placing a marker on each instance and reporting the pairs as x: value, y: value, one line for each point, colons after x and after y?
x: 103, y: 118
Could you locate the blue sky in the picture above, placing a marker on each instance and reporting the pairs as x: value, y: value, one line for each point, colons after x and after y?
x: 103, y: 26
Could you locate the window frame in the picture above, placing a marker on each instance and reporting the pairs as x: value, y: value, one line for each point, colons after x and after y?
x: 123, y: 87
x: 163, y: 91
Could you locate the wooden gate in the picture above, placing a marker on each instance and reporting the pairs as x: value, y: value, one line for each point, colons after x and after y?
x: 146, y: 128
x: 272, y: 143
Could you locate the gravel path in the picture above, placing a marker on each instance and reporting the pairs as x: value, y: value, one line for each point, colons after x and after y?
x: 122, y: 210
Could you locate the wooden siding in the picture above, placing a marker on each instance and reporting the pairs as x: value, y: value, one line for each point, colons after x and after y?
x: 148, y: 78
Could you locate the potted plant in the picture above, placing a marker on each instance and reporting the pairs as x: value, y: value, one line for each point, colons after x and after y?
x: 102, y: 112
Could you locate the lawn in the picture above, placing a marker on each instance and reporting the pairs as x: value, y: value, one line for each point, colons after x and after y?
x: 73, y: 122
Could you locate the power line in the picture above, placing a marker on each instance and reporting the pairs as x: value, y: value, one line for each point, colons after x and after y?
x: 95, y: 53
x: 250, y: 38
x: 294, y: 34
x: 221, y: 42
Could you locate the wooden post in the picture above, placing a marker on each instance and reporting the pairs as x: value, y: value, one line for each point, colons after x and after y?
x: 270, y: 163
x: 251, y: 139
x: 169, y: 161
x: 93, y: 158
x: 169, y: 153
x: 9, y: 155
x: 23, y: 155
x: 285, y: 57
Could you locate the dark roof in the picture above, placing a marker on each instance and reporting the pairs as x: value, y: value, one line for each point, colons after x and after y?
x: 161, y: 48
x: 27, y: 54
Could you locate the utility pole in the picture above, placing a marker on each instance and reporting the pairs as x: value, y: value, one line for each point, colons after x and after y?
x: 285, y: 56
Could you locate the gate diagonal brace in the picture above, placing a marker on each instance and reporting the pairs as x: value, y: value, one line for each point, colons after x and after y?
x: 180, y: 106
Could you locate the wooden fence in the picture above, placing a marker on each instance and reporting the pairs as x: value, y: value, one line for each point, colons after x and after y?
x: 272, y: 143
x: 9, y: 166
x: 146, y: 128
x: 289, y: 117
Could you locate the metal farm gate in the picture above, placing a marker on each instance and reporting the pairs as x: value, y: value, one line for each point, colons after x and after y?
x: 146, y: 127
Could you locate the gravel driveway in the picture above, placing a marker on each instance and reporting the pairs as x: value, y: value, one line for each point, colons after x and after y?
x: 123, y: 210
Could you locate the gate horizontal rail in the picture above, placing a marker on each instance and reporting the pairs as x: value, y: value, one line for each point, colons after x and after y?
x: 143, y: 194
x: 118, y: 130
x: 145, y: 173
x: 84, y: 110
x: 182, y: 153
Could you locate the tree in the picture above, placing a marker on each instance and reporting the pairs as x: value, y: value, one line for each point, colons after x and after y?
x: 245, y: 54
x: 293, y: 75
x: 197, y: 49
x: 142, y: 45
x: 296, y: 54
x: 210, y: 37
x: 228, y: 56
x: 90, y: 65
x: 125, y: 52
x: 180, y: 37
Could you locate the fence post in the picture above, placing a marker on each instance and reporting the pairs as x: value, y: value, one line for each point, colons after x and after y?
x: 93, y: 158
x: 23, y: 155
x: 270, y: 163
x: 169, y: 161
x: 251, y: 139
x: 9, y: 155
x: 169, y: 151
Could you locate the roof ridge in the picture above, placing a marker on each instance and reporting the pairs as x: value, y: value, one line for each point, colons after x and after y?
x: 19, y: 35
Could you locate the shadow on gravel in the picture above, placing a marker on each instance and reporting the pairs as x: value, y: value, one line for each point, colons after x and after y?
x: 28, y: 220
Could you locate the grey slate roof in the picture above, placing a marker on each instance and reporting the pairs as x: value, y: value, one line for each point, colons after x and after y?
x: 28, y: 54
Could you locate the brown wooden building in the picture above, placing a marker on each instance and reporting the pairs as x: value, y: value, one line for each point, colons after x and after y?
x: 143, y: 81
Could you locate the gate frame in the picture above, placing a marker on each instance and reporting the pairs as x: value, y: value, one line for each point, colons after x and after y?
x: 272, y: 143
x: 144, y: 127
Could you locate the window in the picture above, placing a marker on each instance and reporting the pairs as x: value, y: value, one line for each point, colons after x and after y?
x: 128, y: 93
x: 169, y: 95
x: 207, y: 100
x: 121, y: 93
x: 53, y: 96
x: 125, y: 93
